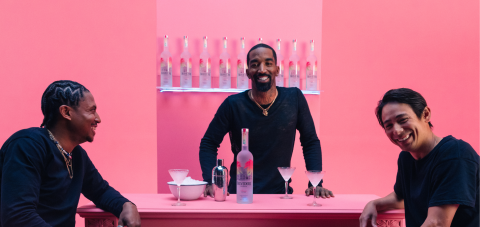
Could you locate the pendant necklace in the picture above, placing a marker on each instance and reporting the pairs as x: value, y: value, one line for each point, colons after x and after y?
x: 265, y: 111
x: 66, y: 156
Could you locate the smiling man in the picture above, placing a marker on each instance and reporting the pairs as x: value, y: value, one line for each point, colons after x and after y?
x: 438, y: 178
x: 44, y: 170
x: 272, y: 114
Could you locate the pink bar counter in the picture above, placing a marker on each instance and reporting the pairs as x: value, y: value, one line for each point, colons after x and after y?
x: 267, y: 210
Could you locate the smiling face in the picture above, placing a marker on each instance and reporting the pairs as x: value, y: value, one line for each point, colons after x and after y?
x: 405, y: 129
x: 262, y: 69
x: 84, y: 119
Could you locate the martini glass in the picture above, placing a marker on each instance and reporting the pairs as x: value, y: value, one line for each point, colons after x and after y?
x: 315, y: 176
x: 178, y: 176
x: 286, y: 173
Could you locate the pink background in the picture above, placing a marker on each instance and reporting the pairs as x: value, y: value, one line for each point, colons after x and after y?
x: 108, y: 46
x: 367, y: 48
x: 184, y: 117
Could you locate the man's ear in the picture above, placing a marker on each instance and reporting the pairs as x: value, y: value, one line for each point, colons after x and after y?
x: 65, y: 112
x: 427, y: 114
x: 248, y: 73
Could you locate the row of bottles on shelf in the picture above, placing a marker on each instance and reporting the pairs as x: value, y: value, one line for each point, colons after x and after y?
x: 205, y: 77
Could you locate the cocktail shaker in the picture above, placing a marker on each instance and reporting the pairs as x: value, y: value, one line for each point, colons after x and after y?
x: 220, y: 181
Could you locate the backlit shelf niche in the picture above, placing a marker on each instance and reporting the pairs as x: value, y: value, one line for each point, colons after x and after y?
x: 230, y: 90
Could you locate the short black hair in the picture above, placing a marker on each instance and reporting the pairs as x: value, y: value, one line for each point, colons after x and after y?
x: 402, y: 95
x: 258, y: 46
x: 58, y: 93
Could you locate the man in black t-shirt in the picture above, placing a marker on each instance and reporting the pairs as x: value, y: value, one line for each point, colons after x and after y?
x: 438, y: 178
x: 273, y: 115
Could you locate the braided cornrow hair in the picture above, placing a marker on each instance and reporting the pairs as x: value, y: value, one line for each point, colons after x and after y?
x: 61, y: 92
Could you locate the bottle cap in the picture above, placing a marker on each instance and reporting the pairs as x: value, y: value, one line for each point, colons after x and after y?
x: 219, y: 162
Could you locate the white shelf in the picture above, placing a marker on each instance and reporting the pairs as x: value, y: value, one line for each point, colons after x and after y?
x: 231, y: 90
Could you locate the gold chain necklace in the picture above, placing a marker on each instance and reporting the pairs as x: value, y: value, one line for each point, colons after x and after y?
x: 66, y: 156
x: 265, y: 111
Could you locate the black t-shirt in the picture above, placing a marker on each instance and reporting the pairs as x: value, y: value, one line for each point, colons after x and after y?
x: 449, y: 174
x: 271, y: 138
x: 36, y: 189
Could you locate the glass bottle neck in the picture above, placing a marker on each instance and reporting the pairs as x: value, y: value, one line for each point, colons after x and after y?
x: 244, y: 139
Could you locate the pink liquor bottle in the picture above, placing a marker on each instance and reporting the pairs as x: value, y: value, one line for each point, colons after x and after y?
x: 225, y: 79
x: 242, y: 79
x: 185, y: 66
x: 280, y: 78
x: 294, y: 67
x: 244, y: 172
x: 205, y: 66
x: 165, y: 65
x: 311, y: 69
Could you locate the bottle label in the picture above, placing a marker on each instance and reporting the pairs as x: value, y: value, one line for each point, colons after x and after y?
x: 224, y: 67
x: 311, y: 70
x: 245, y: 173
x: 166, y: 70
x: 280, y: 79
x: 205, y: 67
x: 186, y: 67
x: 294, y: 70
x: 225, y: 80
x: 166, y: 66
x: 205, y: 72
x: 242, y: 80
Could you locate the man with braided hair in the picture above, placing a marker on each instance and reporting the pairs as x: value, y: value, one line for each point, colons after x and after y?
x: 44, y: 170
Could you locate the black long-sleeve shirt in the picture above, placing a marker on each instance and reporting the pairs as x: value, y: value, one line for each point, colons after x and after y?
x: 35, y: 188
x: 271, y: 138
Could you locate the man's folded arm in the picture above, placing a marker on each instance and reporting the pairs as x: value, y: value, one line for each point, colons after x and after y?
x: 21, y: 172
x: 96, y: 189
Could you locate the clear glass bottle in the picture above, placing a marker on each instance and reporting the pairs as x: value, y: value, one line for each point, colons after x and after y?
x: 311, y: 69
x: 244, y: 172
x: 242, y: 79
x: 294, y: 67
x: 224, y: 67
x: 185, y: 66
x: 205, y: 66
x: 281, y: 67
x: 165, y: 65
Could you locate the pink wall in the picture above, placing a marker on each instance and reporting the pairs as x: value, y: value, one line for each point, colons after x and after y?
x: 184, y: 117
x: 370, y: 47
x: 367, y: 48
x: 108, y: 46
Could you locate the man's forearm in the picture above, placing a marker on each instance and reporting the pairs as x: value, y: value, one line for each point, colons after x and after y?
x: 207, y: 162
x: 440, y: 216
x: 389, y: 202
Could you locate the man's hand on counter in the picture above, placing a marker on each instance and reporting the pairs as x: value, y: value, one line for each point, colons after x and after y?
x: 319, y: 192
x: 210, y: 192
x: 129, y: 216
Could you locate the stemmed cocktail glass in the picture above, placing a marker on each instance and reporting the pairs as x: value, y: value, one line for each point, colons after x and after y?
x: 286, y: 173
x: 315, y: 176
x: 178, y: 176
